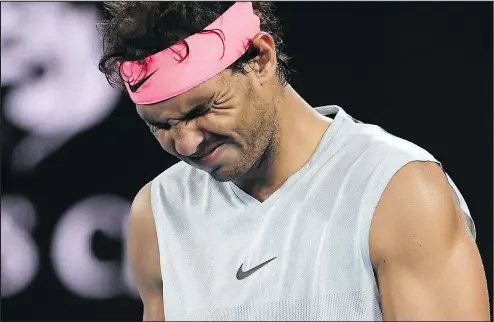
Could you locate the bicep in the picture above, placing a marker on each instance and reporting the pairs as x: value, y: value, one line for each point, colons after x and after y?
x: 143, y: 253
x: 451, y: 287
x: 428, y: 266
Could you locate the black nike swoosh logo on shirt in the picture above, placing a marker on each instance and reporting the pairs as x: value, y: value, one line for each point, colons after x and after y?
x: 135, y: 87
x: 241, y: 274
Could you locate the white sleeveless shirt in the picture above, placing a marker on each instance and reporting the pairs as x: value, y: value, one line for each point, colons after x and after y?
x: 315, y: 226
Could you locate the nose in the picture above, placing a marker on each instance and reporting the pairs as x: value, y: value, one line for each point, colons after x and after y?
x: 187, y: 138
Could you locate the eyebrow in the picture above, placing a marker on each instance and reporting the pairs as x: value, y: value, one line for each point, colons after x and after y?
x: 155, y: 120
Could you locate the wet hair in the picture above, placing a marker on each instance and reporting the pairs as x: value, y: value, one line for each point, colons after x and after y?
x: 134, y: 30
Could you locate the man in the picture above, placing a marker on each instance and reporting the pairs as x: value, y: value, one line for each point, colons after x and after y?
x: 278, y: 211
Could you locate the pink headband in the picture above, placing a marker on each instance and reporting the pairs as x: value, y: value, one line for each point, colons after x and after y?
x: 167, y: 76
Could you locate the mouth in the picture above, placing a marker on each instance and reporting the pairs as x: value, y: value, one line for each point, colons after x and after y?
x: 210, y: 156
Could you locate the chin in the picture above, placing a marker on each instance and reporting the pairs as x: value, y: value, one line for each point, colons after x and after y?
x: 221, y: 176
x: 225, y: 174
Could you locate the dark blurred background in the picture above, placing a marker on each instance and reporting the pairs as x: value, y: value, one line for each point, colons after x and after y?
x: 74, y: 152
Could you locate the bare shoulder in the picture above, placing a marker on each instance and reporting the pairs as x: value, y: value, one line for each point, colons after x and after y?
x: 141, y: 209
x: 143, y: 253
x: 427, y: 263
x: 418, y: 206
x: 142, y: 243
x: 142, y: 228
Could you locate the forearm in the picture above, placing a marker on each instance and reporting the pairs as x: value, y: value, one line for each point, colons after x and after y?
x: 154, y: 313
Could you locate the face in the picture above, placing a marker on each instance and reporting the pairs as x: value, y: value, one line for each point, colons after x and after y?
x: 225, y: 126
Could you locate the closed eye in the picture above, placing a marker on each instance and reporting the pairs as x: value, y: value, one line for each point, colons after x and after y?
x: 155, y: 126
x: 198, y: 111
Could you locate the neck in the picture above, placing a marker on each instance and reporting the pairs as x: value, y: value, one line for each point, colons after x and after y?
x: 299, y: 130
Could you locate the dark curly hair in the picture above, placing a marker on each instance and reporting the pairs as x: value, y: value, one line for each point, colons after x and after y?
x: 134, y: 30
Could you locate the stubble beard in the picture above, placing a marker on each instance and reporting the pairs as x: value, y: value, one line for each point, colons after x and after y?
x: 262, y: 153
x: 258, y: 155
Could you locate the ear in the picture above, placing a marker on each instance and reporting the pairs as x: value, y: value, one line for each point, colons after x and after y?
x: 265, y: 63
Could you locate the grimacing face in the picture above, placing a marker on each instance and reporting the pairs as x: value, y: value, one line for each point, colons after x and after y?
x: 225, y: 126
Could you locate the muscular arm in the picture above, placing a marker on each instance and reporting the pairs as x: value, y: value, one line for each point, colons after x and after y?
x: 142, y: 246
x: 428, y: 265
